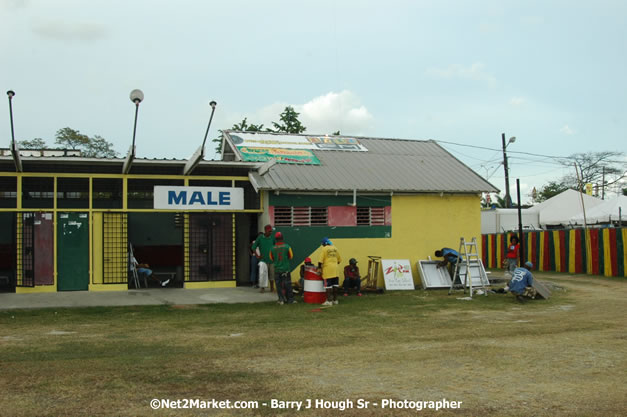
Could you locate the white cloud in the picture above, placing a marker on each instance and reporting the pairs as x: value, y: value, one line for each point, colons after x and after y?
x: 567, y: 130
x: 335, y: 111
x: 476, y: 72
x: 58, y: 30
x: 324, y: 114
x: 517, y: 101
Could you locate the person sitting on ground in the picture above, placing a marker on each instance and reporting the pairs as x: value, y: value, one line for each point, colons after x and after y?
x: 512, y: 254
x: 352, y: 278
x: 521, y: 283
x: 301, y: 281
x: 143, y: 270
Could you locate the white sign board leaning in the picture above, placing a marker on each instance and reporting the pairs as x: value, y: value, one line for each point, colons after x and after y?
x: 397, y: 274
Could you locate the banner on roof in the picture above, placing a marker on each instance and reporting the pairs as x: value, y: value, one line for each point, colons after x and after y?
x: 320, y: 143
x: 284, y: 156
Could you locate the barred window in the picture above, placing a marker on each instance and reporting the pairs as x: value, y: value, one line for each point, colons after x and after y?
x: 370, y: 216
x: 300, y: 216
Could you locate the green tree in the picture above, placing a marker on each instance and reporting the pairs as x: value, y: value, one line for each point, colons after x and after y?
x: 37, y: 143
x: 289, y: 122
x: 243, y: 126
x: 551, y: 189
x: 96, y: 147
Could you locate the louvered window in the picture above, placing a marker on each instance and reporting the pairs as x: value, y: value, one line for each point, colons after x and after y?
x: 370, y: 216
x: 300, y: 216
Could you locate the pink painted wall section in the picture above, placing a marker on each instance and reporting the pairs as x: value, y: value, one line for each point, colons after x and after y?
x: 271, y: 214
x: 388, y: 215
x: 342, y: 216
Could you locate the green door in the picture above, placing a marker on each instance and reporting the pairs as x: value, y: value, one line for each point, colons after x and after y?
x: 72, y: 252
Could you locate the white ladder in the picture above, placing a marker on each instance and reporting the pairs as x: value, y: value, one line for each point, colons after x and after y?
x: 469, y: 258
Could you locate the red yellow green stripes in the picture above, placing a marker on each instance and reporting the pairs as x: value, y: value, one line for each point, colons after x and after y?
x: 595, y: 252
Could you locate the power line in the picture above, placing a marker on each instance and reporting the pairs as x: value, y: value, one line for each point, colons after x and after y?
x: 518, y: 152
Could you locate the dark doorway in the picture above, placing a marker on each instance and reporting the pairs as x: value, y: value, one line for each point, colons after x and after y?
x: 211, y: 247
x: 157, y: 240
x: 8, y: 254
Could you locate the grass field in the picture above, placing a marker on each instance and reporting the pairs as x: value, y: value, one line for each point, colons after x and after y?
x: 563, y: 357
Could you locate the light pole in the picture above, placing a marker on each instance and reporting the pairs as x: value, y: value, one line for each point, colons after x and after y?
x: 137, y: 96
x: 198, y: 156
x: 508, y: 198
x: 14, y: 148
x: 11, y: 94
x: 213, y: 109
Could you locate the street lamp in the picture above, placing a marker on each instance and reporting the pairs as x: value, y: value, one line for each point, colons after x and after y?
x: 136, y: 96
x: 198, y: 156
x: 213, y: 105
x: 14, y: 148
x: 11, y: 94
x: 508, y: 198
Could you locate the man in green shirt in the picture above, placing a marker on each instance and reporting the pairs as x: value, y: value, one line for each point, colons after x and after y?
x: 280, y: 254
x: 262, y: 246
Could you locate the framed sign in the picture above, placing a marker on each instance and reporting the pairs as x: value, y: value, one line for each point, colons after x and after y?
x: 432, y: 276
x: 198, y: 198
x: 397, y: 274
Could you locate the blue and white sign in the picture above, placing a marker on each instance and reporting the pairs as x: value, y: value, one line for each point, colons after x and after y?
x: 198, y: 198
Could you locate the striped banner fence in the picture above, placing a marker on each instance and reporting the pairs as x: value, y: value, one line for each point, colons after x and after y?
x: 597, y: 252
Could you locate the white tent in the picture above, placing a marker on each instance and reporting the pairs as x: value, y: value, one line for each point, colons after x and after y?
x: 505, y: 220
x: 606, y: 212
x: 560, y: 209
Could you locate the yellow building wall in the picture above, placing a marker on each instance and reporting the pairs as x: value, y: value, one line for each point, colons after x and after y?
x: 421, y: 224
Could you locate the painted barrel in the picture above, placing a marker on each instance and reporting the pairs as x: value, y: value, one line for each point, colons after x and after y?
x: 314, y: 292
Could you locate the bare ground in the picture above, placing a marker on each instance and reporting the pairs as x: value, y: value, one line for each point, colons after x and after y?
x: 563, y: 357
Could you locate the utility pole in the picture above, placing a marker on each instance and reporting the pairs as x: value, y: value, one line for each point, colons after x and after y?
x: 603, y: 185
x: 508, y: 198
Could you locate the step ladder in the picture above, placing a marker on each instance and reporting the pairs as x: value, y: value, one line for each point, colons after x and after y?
x: 469, y: 264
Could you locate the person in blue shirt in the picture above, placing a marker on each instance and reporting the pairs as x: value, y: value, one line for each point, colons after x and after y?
x: 450, y: 258
x: 521, y: 283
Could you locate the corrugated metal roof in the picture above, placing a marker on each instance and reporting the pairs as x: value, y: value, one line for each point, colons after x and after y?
x: 396, y: 165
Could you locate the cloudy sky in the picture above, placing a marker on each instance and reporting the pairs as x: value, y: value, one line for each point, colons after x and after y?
x: 552, y: 73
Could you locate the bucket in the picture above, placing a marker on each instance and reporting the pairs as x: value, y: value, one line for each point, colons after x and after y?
x: 314, y: 292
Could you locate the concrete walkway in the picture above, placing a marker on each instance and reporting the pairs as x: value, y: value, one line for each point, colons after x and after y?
x: 153, y: 296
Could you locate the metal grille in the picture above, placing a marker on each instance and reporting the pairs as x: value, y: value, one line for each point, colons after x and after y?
x: 370, y: 216
x: 300, y: 216
x: 210, y: 247
x: 114, y: 254
x: 282, y: 216
x: 26, y: 243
